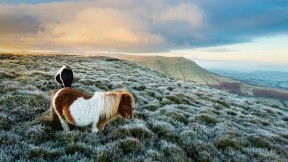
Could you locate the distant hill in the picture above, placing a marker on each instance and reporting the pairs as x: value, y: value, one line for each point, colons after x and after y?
x: 187, y: 70
x: 178, y: 67
x: 173, y: 120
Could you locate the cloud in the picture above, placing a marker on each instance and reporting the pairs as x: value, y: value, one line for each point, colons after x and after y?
x: 138, y: 25
x: 189, y: 13
x: 241, y: 21
x: 87, y: 25
x: 219, y: 50
x: 103, y: 27
x: 13, y: 22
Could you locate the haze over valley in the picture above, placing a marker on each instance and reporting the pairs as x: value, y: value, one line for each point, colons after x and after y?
x: 265, y: 74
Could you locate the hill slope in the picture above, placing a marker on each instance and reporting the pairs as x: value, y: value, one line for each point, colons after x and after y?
x: 174, y: 120
x: 187, y: 70
x: 177, y: 67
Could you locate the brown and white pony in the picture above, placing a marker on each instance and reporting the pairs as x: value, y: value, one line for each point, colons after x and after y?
x: 80, y: 109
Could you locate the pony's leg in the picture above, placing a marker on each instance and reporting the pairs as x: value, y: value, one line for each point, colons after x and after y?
x: 94, y: 125
x: 101, y: 126
x: 94, y: 128
x: 64, y: 124
x: 62, y: 121
x: 53, y: 115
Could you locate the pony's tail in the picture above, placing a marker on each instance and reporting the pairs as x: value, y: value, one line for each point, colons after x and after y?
x: 53, y: 116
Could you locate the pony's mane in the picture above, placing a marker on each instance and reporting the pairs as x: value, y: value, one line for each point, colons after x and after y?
x: 108, y: 102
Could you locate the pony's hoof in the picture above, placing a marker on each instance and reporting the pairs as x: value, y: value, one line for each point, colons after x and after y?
x: 96, y: 131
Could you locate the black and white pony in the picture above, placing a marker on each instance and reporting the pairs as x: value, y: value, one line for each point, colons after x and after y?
x: 64, y: 76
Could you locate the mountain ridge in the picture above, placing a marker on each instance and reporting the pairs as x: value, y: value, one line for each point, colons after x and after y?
x: 155, y: 63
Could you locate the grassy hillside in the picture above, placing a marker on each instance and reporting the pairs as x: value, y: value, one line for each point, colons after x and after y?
x: 174, y: 120
x: 177, y: 67
x: 187, y: 70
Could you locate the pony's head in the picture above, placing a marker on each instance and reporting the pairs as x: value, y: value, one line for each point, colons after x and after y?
x: 126, y: 105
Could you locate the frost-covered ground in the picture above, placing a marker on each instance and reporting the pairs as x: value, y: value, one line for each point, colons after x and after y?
x: 173, y: 121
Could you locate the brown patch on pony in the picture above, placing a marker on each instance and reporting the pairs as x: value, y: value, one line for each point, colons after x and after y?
x: 53, y: 116
x: 68, y: 115
x: 65, y: 99
x: 126, y: 105
x: 101, y: 123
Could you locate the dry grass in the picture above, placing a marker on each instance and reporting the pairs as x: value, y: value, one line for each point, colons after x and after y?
x: 174, y: 121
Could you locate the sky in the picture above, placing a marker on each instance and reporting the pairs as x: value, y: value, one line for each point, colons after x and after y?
x: 254, y: 30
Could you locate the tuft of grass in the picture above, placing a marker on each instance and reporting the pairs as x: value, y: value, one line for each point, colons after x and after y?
x: 140, y: 87
x: 141, y: 115
x: 191, y: 150
x: 101, y: 85
x: 153, y: 155
x: 119, y: 133
x: 9, y: 139
x: 118, y: 86
x: 231, y: 112
x: 226, y: 141
x: 43, y: 153
x: 141, y: 132
x: 10, y: 75
x: 166, y: 102
x: 151, y: 93
x: 173, y: 98
x: 170, y: 88
x: 109, y: 152
x: 224, y: 103
x: 285, y: 118
x: 163, y: 130
x: 177, y: 116
x: 173, y: 152
x: 151, y: 107
x: 87, y: 82
x: 258, y: 141
x: 78, y: 147
x: 208, y: 119
x: 67, y: 138
x: 5, y: 123
x: 38, y: 134
x: 130, y: 145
